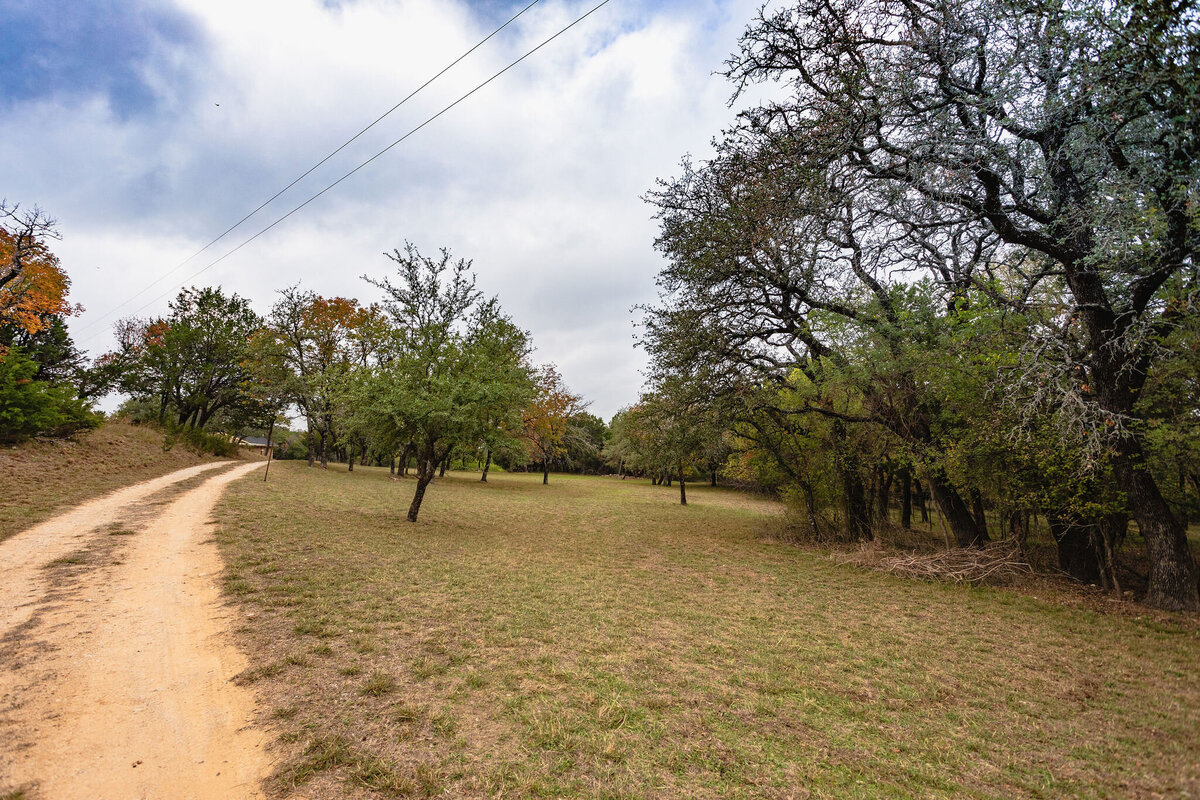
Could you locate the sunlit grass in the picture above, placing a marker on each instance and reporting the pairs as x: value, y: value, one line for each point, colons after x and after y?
x: 592, y: 638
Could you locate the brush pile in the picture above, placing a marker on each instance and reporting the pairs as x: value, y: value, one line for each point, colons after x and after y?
x: 996, y: 565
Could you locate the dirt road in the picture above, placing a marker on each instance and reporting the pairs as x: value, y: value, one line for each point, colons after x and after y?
x: 115, y: 653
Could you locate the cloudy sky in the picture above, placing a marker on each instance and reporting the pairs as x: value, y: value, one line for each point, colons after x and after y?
x: 148, y: 127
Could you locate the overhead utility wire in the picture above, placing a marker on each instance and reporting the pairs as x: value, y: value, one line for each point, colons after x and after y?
x: 310, y: 171
x: 216, y: 261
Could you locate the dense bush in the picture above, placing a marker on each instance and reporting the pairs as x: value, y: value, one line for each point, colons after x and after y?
x: 31, y: 407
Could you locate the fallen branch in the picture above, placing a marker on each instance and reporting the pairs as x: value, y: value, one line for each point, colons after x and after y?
x: 995, y: 564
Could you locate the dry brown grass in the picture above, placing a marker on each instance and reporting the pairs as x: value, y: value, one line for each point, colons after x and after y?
x: 593, y: 639
x: 43, y: 477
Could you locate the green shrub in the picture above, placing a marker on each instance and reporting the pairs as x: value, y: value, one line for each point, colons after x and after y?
x: 38, y: 408
x: 201, y: 441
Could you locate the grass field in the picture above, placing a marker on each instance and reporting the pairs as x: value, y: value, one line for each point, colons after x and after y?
x: 44, y: 477
x: 592, y: 638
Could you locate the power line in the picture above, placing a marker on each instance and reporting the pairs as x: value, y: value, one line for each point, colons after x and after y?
x: 308, y: 172
x: 429, y: 120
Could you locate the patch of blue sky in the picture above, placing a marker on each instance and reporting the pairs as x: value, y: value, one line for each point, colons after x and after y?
x: 62, y: 49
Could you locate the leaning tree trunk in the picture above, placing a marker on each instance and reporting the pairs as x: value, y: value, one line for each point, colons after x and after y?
x: 270, y: 449
x: 954, y: 509
x: 486, y: 466
x: 427, y: 465
x: 682, y: 488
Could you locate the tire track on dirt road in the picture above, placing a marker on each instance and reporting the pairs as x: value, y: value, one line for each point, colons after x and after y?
x: 22, y: 555
x: 122, y: 688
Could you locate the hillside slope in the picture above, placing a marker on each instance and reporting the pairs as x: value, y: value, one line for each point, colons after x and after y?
x: 42, y: 477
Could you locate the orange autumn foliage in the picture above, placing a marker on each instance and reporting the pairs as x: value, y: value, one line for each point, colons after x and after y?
x: 329, y: 321
x: 35, y: 288
x: 545, y: 419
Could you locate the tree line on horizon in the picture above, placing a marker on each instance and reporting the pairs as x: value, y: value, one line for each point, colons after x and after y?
x: 432, y: 371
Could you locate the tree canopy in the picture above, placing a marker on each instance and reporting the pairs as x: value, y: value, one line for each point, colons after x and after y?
x: 961, y: 218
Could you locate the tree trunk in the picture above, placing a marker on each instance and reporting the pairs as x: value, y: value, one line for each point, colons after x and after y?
x: 682, y: 488
x: 324, y: 450
x: 545, y: 472
x: 906, y: 496
x: 883, y: 496
x: 1113, y: 528
x: 810, y: 504
x: 270, y: 450
x: 1077, y: 554
x: 1018, y: 528
x: 350, y: 458
x: 919, y: 491
x: 1173, y: 577
x: 980, y: 514
x: 955, y: 510
x: 423, y: 481
x: 714, y: 477
x: 205, y: 414
x: 312, y: 449
x: 855, y: 507
x: 486, y: 466
x: 392, y: 465
x: 427, y: 464
x: 854, y: 499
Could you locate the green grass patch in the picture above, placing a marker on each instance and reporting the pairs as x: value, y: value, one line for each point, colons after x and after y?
x: 592, y: 638
x: 72, y: 560
x: 379, y: 683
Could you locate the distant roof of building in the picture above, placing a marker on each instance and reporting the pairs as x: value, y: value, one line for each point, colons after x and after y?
x: 257, y: 441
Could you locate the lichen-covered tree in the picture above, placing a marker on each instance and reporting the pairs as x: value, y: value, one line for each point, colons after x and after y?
x: 1002, y: 146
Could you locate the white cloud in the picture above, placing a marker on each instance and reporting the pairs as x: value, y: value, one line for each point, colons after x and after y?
x: 537, y: 177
